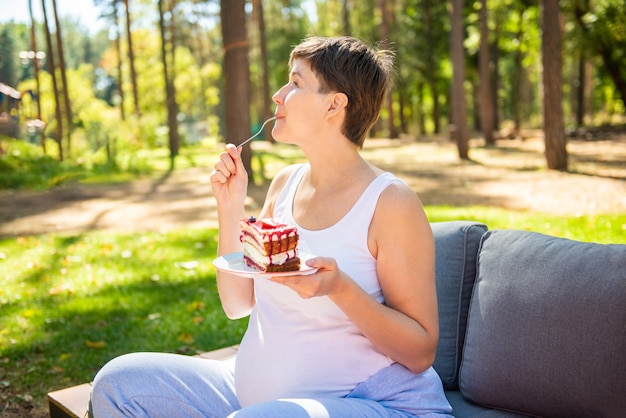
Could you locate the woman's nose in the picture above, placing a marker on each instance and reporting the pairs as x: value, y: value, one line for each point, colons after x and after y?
x: 279, y: 96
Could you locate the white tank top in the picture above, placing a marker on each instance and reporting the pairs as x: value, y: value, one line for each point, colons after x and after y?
x: 294, y: 347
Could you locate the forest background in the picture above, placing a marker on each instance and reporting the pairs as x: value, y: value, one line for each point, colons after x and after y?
x: 166, y: 80
x: 173, y: 73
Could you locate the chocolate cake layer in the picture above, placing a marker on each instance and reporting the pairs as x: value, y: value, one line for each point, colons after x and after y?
x: 291, y: 265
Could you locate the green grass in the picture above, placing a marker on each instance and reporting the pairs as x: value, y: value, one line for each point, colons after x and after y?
x: 24, y: 166
x: 69, y: 303
x: 607, y: 228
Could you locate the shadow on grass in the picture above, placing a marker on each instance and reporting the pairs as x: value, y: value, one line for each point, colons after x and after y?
x: 55, y: 336
x: 98, y: 206
x: 179, y: 197
x: 76, y: 338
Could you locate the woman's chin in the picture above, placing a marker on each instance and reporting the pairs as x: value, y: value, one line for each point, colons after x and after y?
x: 283, y: 137
x: 281, y: 140
x: 279, y: 137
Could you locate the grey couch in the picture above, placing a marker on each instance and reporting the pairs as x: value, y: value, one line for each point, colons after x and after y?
x: 530, y: 324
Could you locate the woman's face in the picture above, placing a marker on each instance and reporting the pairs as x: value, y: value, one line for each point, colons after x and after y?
x: 300, y: 108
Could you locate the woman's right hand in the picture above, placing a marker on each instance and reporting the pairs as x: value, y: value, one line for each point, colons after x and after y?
x: 229, y: 179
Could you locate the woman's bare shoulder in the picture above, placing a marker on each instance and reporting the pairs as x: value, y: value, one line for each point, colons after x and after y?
x: 400, y: 193
x: 400, y: 210
x: 276, y: 186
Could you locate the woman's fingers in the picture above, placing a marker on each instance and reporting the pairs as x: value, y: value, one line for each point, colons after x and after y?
x: 325, y: 263
x: 228, y: 165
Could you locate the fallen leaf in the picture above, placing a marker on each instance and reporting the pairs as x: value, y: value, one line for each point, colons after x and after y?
x: 186, y: 338
x: 154, y: 316
x: 95, y: 344
x: 26, y: 397
x: 57, y: 290
x: 189, y: 265
x: 197, y: 305
x: 29, y: 313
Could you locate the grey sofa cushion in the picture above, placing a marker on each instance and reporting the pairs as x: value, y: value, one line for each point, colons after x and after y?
x: 456, y: 245
x: 547, y: 327
x: 462, y: 408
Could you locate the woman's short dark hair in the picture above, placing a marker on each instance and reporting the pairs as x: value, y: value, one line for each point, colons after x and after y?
x: 348, y: 65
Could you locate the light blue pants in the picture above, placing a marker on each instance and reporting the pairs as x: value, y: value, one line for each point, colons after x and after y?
x: 172, y: 386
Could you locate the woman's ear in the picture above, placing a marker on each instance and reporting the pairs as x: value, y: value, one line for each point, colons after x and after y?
x: 338, y: 102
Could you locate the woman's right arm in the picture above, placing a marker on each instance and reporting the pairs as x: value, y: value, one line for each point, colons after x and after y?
x: 229, y: 182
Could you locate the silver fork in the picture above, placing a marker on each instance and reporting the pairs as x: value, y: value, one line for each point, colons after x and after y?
x: 256, y: 134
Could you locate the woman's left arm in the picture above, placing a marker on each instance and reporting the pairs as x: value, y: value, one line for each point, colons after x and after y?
x: 406, y: 327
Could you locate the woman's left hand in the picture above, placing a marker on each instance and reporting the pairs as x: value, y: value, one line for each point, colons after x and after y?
x: 327, y: 280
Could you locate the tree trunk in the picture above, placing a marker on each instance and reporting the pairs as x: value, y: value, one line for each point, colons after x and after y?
x: 402, y: 100
x: 486, y: 104
x: 33, y: 46
x: 384, y: 35
x: 495, y: 74
x: 431, y: 71
x: 267, y: 95
x: 131, y: 59
x: 345, y: 17
x: 459, y: 106
x: 589, y: 86
x: 167, y: 54
x: 552, y: 60
x: 58, y: 136
x: 421, y: 114
x: 236, y: 75
x: 475, y: 104
x: 517, y: 79
x: 118, y: 49
x: 66, y: 95
x: 580, y: 90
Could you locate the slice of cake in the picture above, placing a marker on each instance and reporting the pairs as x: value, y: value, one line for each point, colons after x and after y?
x: 269, y: 246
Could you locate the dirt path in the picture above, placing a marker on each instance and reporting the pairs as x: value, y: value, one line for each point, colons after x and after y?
x: 512, y: 175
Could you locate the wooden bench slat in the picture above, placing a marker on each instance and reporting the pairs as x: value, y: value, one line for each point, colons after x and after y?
x: 221, y: 353
x: 73, y: 402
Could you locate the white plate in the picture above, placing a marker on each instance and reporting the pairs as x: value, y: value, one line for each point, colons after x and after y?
x: 233, y: 263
